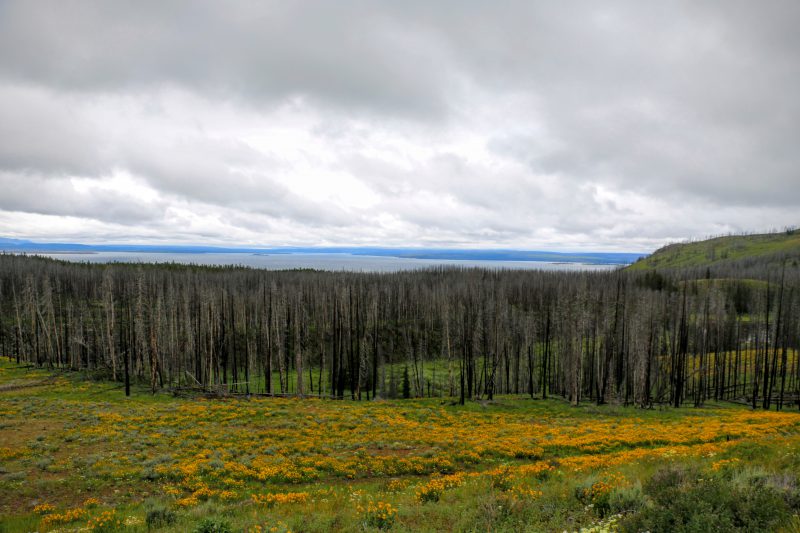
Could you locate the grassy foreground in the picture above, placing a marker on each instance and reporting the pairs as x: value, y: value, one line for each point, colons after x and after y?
x: 79, y: 456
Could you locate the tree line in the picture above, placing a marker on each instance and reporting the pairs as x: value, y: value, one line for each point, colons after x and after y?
x: 658, y: 337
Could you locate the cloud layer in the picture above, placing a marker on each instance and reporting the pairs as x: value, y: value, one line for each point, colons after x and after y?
x: 561, y: 125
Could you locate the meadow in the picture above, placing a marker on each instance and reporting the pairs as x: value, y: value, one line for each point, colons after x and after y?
x: 77, y: 455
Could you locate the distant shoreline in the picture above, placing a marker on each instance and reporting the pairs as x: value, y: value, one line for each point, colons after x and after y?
x: 318, y: 260
x: 50, y: 252
x: 494, y: 255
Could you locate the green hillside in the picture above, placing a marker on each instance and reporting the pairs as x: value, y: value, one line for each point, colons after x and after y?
x: 722, y: 249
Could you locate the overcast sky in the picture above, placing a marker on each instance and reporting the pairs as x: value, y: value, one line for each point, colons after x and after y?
x: 610, y: 126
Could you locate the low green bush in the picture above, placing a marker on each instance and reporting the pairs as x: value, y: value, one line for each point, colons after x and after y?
x: 685, y: 500
x: 213, y: 525
x: 160, y: 517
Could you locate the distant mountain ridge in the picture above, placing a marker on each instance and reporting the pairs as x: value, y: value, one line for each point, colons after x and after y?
x: 594, y: 258
x: 726, y: 249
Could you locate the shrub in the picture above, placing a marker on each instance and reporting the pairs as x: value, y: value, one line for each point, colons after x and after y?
x: 406, y: 384
x: 666, y: 480
x: 213, y: 525
x: 44, y: 508
x: 429, y: 492
x: 280, y: 498
x: 626, y: 500
x: 683, y: 501
x: 105, y: 522
x: 502, y: 478
x: 160, y: 517
x: 380, y: 515
x: 433, y: 489
x: 71, y: 515
x: 597, y: 495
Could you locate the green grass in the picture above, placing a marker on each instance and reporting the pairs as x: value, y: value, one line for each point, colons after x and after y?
x: 65, y: 440
x: 433, y: 380
x: 729, y: 248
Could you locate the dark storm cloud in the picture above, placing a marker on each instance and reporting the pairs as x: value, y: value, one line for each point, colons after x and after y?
x: 569, y: 123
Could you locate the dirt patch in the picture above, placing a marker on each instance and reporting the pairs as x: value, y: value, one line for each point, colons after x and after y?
x: 16, y: 385
x: 22, y: 431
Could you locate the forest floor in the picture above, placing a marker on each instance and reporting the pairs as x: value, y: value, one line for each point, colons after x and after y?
x: 80, y: 456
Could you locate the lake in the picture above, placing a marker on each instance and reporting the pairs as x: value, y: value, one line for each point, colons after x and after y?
x: 326, y: 261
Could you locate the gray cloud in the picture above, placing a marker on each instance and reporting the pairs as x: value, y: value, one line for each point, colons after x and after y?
x: 527, y: 124
x: 40, y: 132
x: 61, y: 196
x: 355, y: 55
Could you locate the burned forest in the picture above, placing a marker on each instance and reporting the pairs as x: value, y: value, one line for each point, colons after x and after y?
x: 659, y: 337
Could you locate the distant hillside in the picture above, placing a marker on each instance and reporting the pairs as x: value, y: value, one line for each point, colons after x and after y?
x: 729, y: 249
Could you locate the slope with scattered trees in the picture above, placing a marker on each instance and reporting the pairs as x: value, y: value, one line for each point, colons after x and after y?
x: 729, y: 251
x: 661, y: 336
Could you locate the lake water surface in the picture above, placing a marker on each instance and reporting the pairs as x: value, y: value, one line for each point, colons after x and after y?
x: 327, y: 261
